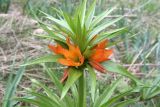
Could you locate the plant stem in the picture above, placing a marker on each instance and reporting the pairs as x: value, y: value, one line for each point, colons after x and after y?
x: 82, y: 91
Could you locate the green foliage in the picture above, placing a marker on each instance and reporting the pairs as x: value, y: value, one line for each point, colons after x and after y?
x: 74, y: 75
x: 4, y: 6
x: 11, y: 88
x: 49, y: 97
x: 43, y: 59
x: 142, y: 49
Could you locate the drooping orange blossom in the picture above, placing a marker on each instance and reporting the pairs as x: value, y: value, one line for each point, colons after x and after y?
x: 73, y: 56
x: 100, y: 54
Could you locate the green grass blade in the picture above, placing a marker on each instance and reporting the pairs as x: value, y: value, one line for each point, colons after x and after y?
x: 114, y: 99
x: 11, y: 88
x: 108, y: 92
x: 126, y: 103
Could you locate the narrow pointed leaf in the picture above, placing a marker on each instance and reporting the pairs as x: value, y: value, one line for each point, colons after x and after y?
x: 43, y: 59
x: 11, y: 88
x: 83, y: 12
x: 126, y: 102
x: 48, y: 91
x: 114, y: 99
x: 45, y: 99
x: 75, y: 94
x: 54, y: 78
x: 74, y: 74
x: 61, y: 23
x: 92, y: 81
x: 32, y: 101
x: 51, y: 33
x: 108, y: 92
x: 90, y: 15
x: 100, y: 17
x: 109, y: 35
x: 113, y: 67
x: 102, y: 27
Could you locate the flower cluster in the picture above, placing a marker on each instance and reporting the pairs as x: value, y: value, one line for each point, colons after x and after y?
x: 73, y: 57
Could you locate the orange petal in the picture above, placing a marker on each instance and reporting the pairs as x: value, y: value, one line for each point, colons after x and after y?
x: 65, y: 75
x: 73, y: 49
x: 102, y: 45
x: 69, y: 62
x: 101, y: 55
x: 71, y: 46
x: 72, y: 56
x: 58, y: 49
x: 97, y: 66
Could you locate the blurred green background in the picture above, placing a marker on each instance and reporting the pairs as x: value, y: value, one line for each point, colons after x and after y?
x: 140, y: 54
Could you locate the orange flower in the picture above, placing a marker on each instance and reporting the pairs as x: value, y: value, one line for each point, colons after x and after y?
x: 72, y: 55
x: 100, y: 54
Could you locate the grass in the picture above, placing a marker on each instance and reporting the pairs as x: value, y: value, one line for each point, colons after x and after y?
x: 140, y: 54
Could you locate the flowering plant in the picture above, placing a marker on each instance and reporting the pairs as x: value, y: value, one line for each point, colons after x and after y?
x: 81, y: 46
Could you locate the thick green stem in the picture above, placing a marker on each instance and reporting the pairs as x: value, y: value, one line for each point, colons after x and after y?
x: 82, y: 91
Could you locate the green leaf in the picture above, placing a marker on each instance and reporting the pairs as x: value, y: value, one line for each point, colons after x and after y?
x: 52, y: 35
x: 70, y: 22
x: 82, y: 12
x: 113, y: 67
x: 11, y: 88
x: 54, y: 78
x: 32, y: 101
x: 74, y: 74
x: 48, y: 91
x: 153, y: 90
x: 74, y: 91
x: 59, y: 11
x: 92, y: 81
x: 61, y: 23
x: 90, y: 14
x: 39, y: 100
x: 108, y: 92
x: 109, y: 35
x: 102, y: 27
x: 114, y: 99
x: 121, y: 40
x: 68, y: 101
x: 45, y: 99
x: 100, y: 17
x: 126, y: 102
x: 43, y: 59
